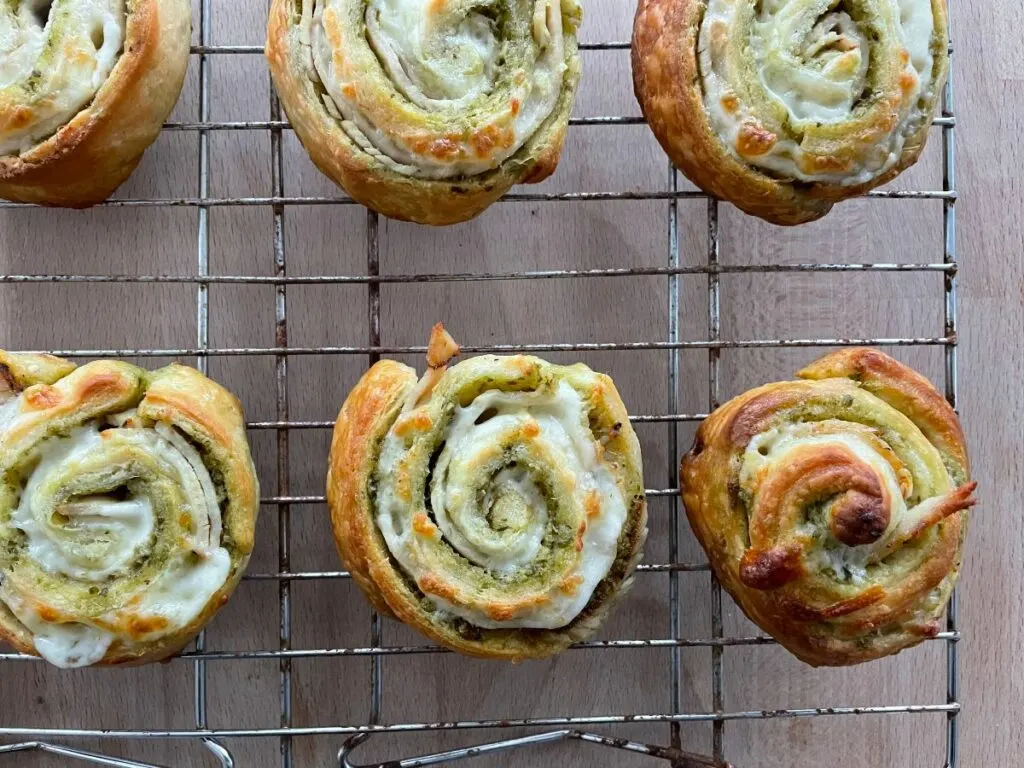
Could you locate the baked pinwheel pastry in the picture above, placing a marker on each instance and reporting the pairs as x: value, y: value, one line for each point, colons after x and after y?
x: 833, y: 509
x: 85, y: 86
x: 497, y: 505
x: 127, y: 507
x: 427, y: 111
x: 785, y: 107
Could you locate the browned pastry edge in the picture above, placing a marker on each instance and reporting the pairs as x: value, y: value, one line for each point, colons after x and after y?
x: 904, y: 389
x: 886, y: 622
x: 364, y: 420
x: 207, y: 412
x: 360, y: 427
x: 667, y: 84
x: 425, y: 201
x: 91, y: 155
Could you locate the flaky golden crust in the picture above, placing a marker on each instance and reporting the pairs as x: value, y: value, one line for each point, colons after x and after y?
x: 57, y: 397
x: 907, y: 391
x: 425, y: 201
x: 91, y: 155
x: 19, y: 370
x: 368, y: 414
x: 668, y: 86
x: 789, y: 488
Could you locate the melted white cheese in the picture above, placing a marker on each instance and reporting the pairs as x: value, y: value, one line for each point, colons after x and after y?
x: 457, y: 510
x: 89, y: 539
x: 815, y: 68
x: 50, y: 71
x: 563, y: 433
x: 439, y: 59
x: 95, y: 538
x: 66, y: 645
x: 184, y: 587
x: 434, y: 67
x: 9, y: 411
x: 522, y: 550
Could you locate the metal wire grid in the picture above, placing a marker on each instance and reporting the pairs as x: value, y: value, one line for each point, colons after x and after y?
x: 568, y: 728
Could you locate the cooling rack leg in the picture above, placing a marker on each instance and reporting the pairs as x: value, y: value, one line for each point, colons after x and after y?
x: 74, y: 754
x: 677, y: 757
x: 220, y: 752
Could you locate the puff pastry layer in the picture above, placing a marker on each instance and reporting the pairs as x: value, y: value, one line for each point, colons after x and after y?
x: 127, y: 507
x: 785, y: 107
x: 85, y: 86
x: 834, y: 508
x: 497, y: 505
x: 427, y: 110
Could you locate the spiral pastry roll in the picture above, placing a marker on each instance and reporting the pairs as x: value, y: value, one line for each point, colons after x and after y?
x: 85, y: 86
x: 497, y: 505
x: 833, y: 509
x: 127, y: 508
x: 785, y: 107
x: 427, y: 110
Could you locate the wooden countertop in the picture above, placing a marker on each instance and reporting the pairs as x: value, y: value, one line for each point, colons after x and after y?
x: 515, y: 236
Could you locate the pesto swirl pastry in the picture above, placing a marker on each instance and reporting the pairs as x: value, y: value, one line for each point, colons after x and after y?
x: 427, y: 110
x: 785, y: 107
x: 834, y: 508
x: 85, y: 86
x: 497, y: 505
x: 127, y: 508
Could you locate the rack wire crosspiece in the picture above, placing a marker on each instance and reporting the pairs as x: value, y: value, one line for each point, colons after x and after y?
x: 559, y: 728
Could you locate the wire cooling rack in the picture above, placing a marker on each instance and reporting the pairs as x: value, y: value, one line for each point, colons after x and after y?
x: 57, y: 741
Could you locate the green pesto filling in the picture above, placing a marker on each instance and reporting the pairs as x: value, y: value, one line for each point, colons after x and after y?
x: 558, y: 537
x: 133, y: 474
x: 558, y: 541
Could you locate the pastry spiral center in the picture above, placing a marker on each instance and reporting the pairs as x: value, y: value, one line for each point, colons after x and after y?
x: 439, y: 88
x: 54, y: 56
x: 488, y: 487
x: 818, y: 73
x: 514, y: 502
x: 435, y: 54
x: 72, y: 515
x: 817, y: 90
x: 112, y: 514
x: 833, y: 496
x: 523, y: 518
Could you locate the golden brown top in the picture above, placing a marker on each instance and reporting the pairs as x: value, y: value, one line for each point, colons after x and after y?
x: 833, y: 508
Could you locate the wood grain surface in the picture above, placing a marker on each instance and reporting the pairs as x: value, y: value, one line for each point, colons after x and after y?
x: 513, y: 236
